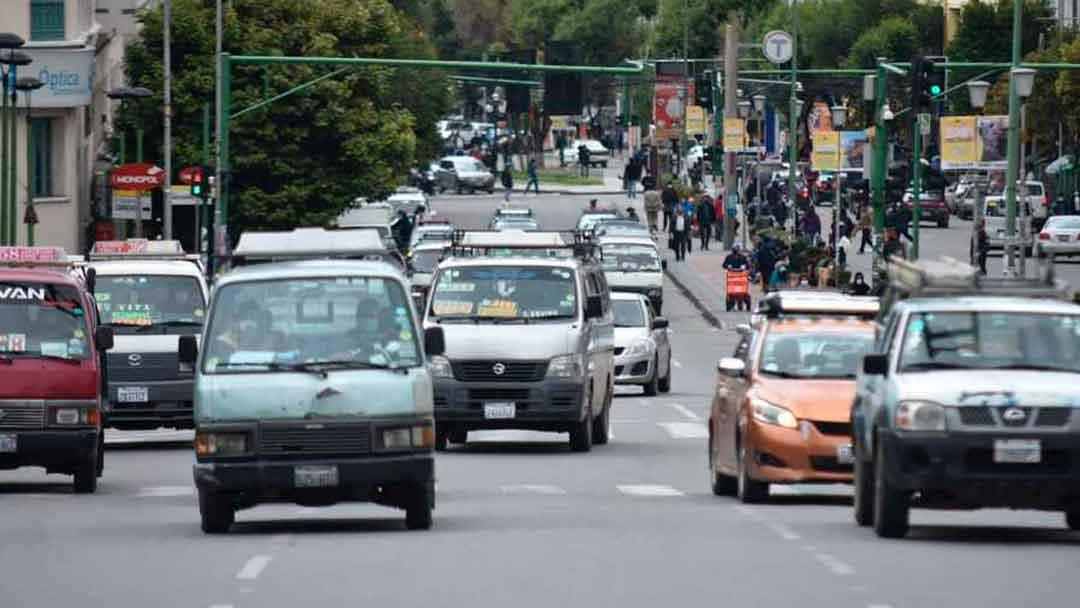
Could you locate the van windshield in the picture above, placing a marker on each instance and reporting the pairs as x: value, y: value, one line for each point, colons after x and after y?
x: 631, y: 258
x: 41, y: 320
x: 504, y: 293
x: 133, y: 303
x: 310, y: 325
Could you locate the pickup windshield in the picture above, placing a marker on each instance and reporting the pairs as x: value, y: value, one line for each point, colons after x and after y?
x: 818, y: 354
x: 41, y: 320
x: 305, y: 325
x: 498, y: 293
x: 991, y: 340
x: 133, y: 303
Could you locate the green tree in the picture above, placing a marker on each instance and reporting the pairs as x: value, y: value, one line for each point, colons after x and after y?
x: 893, y: 37
x: 533, y: 22
x: 301, y: 160
x: 985, y: 30
x: 607, y: 30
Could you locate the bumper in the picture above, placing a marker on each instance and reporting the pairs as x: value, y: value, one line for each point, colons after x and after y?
x: 1058, y: 247
x: 55, y: 450
x: 805, y: 454
x: 169, y: 404
x: 479, y: 183
x: 960, y: 470
x: 636, y: 369
x: 359, y: 478
x: 550, y: 405
x: 933, y: 215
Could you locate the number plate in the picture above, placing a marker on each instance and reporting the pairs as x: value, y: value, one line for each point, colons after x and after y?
x: 499, y: 411
x: 8, y: 442
x: 315, y: 476
x: 1064, y: 238
x: 1022, y: 451
x: 133, y: 394
x: 844, y: 455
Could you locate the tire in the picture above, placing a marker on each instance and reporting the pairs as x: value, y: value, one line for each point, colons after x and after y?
x: 101, y: 453
x: 1072, y: 516
x: 600, y: 424
x: 605, y: 165
x: 748, y: 490
x: 581, y: 433
x: 722, y: 485
x: 491, y: 191
x: 654, y: 383
x: 864, y: 493
x: 891, y: 507
x: 421, y: 502
x: 943, y: 223
x: 216, y: 513
x: 86, y: 474
x: 665, y: 383
x: 442, y: 439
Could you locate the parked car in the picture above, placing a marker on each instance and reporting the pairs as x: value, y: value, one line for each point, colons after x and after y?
x: 464, y: 173
x: 1060, y: 235
x: 598, y: 154
x: 642, y: 347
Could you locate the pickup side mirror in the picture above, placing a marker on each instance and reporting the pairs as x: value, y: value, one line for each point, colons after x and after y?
x: 434, y: 341
x: 730, y: 366
x: 594, y: 307
x: 103, y: 338
x: 660, y: 323
x: 189, y: 350
x: 875, y: 365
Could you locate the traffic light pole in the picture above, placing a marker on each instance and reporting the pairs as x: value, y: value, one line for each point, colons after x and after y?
x: 793, y: 118
x: 1013, y: 143
x: 916, y: 184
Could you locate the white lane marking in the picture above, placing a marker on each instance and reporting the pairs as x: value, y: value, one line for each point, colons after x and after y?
x: 253, y: 568
x: 676, y: 363
x: 165, y: 491
x: 878, y: 606
x: 221, y: 606
x: 748, y: 512
x: 778, y: 489
x: 648, y: 490
x: 527, y: 488
x: 834, y: 565
x: 685, y: 430
x: 783, y: 531
x: 685, y: 411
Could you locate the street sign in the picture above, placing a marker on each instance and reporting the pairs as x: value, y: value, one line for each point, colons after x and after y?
x: 137, y: 176
x: 187, y: 174
x: 924, y: 124
x: 778, y: 46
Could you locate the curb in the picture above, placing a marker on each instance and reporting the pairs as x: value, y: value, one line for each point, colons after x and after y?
x: 707, y: 314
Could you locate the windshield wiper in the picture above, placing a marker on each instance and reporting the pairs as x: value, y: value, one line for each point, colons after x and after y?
x: 54, y: 358
x: 780, y: 374
x: 1037, y: 368
x: 621, y: 325
x: 482, y: 318
x: 146, y: 328
x: 319, y: 367
x: 933, y: 365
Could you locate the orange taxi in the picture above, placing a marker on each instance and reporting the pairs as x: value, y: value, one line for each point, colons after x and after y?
x: 782, y: 406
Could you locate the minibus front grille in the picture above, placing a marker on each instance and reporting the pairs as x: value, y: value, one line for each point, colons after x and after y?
x: 314, y: 439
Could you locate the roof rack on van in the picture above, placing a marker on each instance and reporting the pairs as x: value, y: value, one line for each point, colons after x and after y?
x: 137, y: 249
x: 951, y: 277
x: 485, y: 242
x: 312, y: 243
x: 816, y: 303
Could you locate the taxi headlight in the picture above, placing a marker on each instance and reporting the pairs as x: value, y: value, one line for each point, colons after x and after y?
x: 220, y: 444
x: 920, y: 416
x: 440, y: 367
x: 769, y: 413
x: 641, y: 346
x: 566, y: 366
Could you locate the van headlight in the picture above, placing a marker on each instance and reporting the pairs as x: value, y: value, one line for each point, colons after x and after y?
x: 209, y: 443
x: 566, y: 366
x: 416, y: 436
x: 641, y: 346
x: 775, y: 415
x: 920, y: 416
x: 440, y: 367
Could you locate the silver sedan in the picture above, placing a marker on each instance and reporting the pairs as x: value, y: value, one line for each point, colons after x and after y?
x: 642, y: 347
x: 1060, y: 236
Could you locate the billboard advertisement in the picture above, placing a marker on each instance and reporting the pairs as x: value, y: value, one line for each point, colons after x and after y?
x: 854, y: 146
x: 825, y: 155
x: 696, y: 123
x: 734, y: 134
x: 974, y: 142
x: 668, y: 110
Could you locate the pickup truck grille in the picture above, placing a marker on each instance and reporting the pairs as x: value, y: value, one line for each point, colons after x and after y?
x: 143, y: 367
x: 22, y: 415
x: 314, y: 439
x: 1037, y: 417
x: 512, y: 371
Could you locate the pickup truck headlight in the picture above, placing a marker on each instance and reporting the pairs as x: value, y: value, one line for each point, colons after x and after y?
x: 920, y: 416
x: 210, y: 443
x: 641, y: 346
x: 417, y: 436
x: 566, y: 366
x: 440, y: 367
x: 775, y: 415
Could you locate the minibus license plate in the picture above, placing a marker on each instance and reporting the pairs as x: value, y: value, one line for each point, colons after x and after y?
x: 8, y: 443
x: 1017, y: 451
x: 844, y: 455
x: 499, y: 411
x: 133, y: 394
x: 315, y: 476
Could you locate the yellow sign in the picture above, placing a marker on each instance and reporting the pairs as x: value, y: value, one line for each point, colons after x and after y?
x: 959, y: 141
x: 695, y: 121
x: 734, y: 134
x: 826, y: 151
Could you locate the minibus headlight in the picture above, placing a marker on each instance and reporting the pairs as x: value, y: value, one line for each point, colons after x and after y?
x: 220, y: 444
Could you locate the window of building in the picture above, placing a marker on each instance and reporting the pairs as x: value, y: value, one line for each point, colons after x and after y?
x: 47, y: 20
x: 41, y: 180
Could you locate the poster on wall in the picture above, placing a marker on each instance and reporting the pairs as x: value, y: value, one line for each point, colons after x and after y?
x: 974, y: 142
x: 734, y: 134
x: 853, y: 149
x: 825, y: 155
x: 668, y: 110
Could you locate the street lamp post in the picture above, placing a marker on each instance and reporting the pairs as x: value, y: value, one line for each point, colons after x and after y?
x: 839, y: 118
x: 28, y: 85
x: 1013, y: 144
x: 12, y: 59
x: 977, y: 90
x: 121, y: 94
x: 794, y: 109
x: 1024, y: 80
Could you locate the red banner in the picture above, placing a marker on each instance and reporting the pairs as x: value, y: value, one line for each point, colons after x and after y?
x: 137, y: 176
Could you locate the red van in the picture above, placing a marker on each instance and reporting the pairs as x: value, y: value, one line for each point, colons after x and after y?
x: 52, y: 366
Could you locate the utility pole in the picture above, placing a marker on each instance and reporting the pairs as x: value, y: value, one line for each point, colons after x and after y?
x: 793, y: 112
x: 167, y: 206
x: 1013, y: 143
x: 731, y: 110
x: 687, y: 78
x: 219, y: 221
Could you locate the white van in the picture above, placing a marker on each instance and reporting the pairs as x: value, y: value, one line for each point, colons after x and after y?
x: 633, y: 264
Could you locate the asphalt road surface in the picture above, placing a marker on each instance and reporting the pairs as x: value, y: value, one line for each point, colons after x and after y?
x: 521, y: 522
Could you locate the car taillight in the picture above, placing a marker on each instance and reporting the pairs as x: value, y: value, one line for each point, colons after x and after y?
x: 1046, y: 200
x: 1043, y: 236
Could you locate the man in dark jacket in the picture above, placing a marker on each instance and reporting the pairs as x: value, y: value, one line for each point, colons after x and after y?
x: 705, y: 218
x: 583, y: 160
x: 669, y: 199
x: 632, y: 175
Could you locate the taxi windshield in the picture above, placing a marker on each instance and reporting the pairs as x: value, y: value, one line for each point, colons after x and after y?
x: 133, y: 303
x: 991, y: 340
x: 631, y: 258
x: 310, y: 325
x: 504, y: 293
x: 40, y: 320
x: 814, y: 354
x: 426, y: 261
x: 628, y: 313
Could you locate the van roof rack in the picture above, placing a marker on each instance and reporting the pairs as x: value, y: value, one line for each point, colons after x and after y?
x: 816, y: 303
x: 493, y: 242
x: 950, y: 277
x: 137, y: 249
x: 312, y: 243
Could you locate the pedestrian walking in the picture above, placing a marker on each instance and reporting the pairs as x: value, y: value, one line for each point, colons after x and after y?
x: 982, y: 245
x: 893, y: 246
x: 865, y: 227
x: 583, y: 160
x: 859, y: 286
x: 689, y: 210
x: 534, y: 180
x: 632, y: 174
x: 705, y: 220
x: 766, y: 260
x: 680, y: 233
x: 507, y: 181
x: 652, y: 208
x: 670, y: 199
x: 843, y: 247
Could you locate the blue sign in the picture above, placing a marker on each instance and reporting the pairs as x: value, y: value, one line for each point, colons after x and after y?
x: 68, y: 75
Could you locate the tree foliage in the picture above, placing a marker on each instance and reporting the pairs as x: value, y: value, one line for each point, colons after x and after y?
x: 303, y: 159
x: 985, y: 30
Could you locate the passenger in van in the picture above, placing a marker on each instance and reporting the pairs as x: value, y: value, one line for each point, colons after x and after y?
x: 250, y: 329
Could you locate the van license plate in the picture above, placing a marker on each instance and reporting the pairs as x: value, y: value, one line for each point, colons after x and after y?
x: 844, y: 455
x: 133, y: 394
x: 315, y: 476
x: 499, y: 411
x: 1017, y: 451
x: 8, y: 442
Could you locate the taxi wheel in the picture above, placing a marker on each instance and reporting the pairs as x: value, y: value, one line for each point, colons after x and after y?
x: 749, y: 490
x: 1072, y: 516
x: 891, y: 507
x: 86, y: 474
x: 581, y: 433
x: 864, y: 493
x: 216, y: 512
x: 665, y: 383
x: 418, y: 510
x: 654, y: 383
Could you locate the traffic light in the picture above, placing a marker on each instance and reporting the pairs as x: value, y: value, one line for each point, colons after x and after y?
x: 198, y: 183
x: 927, y: 83
x: 703, y: 86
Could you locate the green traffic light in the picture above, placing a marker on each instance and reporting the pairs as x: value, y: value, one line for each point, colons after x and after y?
x: 935, y: 90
